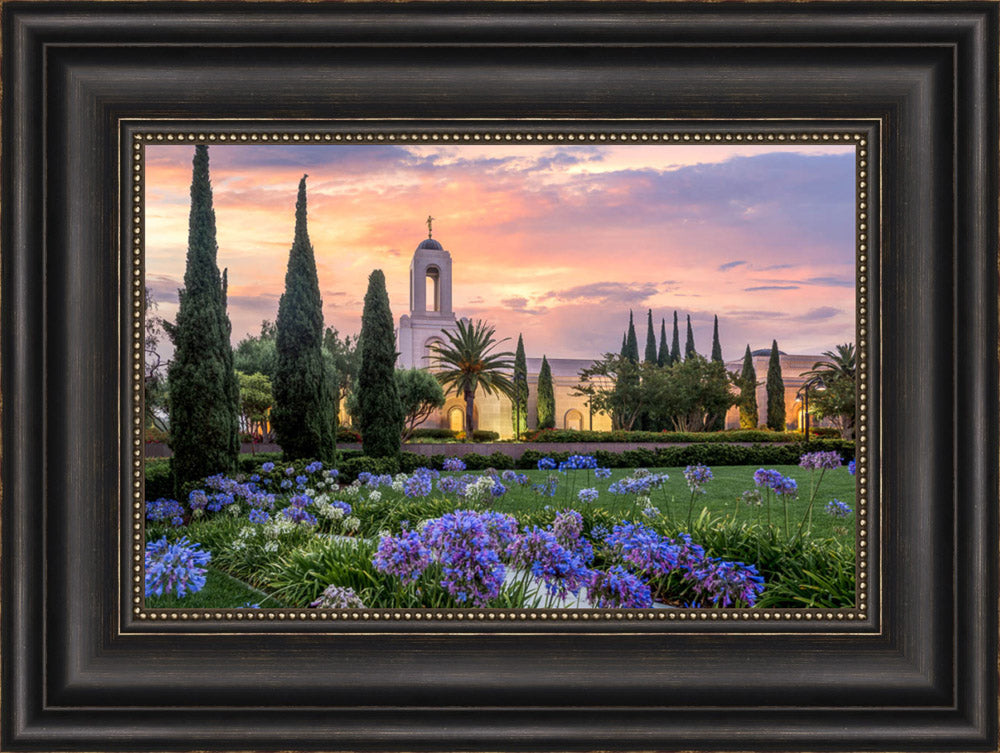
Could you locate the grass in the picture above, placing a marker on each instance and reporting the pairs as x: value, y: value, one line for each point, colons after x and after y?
x: 221, y: 591
x: 721, y: 498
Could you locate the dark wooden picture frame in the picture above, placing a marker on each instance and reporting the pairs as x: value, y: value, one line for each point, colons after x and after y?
x: 915, y: 672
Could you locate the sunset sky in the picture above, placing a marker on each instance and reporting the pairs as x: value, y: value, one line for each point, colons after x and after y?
x: 555, y: 242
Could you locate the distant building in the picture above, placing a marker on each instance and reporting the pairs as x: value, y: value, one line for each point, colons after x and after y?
x: 431, y: 313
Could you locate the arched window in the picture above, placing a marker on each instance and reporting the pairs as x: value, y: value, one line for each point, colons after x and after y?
x: 433, y: 290
x: 456, y: 419
x: 573, y: 420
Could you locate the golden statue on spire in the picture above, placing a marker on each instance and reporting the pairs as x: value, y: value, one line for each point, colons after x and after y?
x: 429, y: 221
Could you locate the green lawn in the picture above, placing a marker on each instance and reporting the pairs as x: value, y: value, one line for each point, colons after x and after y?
x: 721, y: 498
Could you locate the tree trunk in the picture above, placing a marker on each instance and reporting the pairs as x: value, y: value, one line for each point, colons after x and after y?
x: 470, y: 398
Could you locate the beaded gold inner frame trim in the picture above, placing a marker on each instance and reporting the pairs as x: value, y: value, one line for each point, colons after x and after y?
x: 134, y: 137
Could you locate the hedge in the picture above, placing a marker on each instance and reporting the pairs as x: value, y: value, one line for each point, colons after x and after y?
x: 352, y: 462
x: 736, y: 435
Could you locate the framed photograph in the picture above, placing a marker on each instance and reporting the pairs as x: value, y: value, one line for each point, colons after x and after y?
x: 516, y: 376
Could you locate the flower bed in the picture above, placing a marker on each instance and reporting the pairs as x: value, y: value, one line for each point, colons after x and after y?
x: 504, y: 538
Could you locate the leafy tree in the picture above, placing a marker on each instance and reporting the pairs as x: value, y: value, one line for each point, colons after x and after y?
x: 467, y: 362
x: 689, y: 394
x: 675, y: 346
x: 258, y: 354
x: 775, y: 391
x: 303, y: 417
x: 345, y: 360
x: 380, y: 412
x: 256, y: 399
x: 154, y: 385
x: 519, y: 401
x: 546, y: 406
x: 716, y: 346
x: 689, y: 349
x: 613, y: 387
x: 204, y: 395
x: 420, y: 394
x: 663, y: 355
x: 835, y: 398
x: 650, y: 356
x: 747, y: 383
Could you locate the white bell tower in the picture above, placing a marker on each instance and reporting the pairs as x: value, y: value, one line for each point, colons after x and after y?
x: 430, y: 304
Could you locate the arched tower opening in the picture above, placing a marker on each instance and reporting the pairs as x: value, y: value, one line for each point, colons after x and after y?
x: 432, y: 288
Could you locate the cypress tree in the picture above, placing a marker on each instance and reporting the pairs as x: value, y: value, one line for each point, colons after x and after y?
x: 689, y: 345
x: 546, y: 397
x: 624, y: 352
x: 675, y: 346
x: 716, y: 422
x: 204, y: 392
x: 716, y: 347
x: 632, y: 344
x: 650, y: 339
x: 663, y: 356
x: 303, y: 415
x: 748, y: 393
x: 380, y: 413
x: 775, y: 391
x: 519, y: 404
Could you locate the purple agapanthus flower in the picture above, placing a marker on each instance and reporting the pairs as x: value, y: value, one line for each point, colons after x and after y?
x: 177, y: 568
x: 618, y: 589
x: 406, y: 556
x: 815, y: 461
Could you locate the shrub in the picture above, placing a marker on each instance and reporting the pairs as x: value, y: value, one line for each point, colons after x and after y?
x: 349, y: 469
x: 347, y: 434
x: 159, y: 481
x: 482, y: 435
x: 736, y: 435
x: 433, y: 434
x: 250, y: 463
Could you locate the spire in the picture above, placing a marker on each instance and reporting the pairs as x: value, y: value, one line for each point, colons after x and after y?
x: 429, y: 221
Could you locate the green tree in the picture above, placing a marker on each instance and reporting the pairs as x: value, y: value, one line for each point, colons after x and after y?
x: 718, y: 422
x: 204, y: 395
x: 466, y: 362
x: 519, y: 400
x: 420, y: 394
x: 613, y: 387
x: 303, y: 417
x: 632, y: 343
x: 345, y: 359
x: 675, y: 345
x: 663, y: 355
x: 257, y: 354
x: 689, y: 394
x: 747, y: 383
x: 154, y: 385
x: 650, y: 355
x: 256, y: 399
x: 546, y: 406
x: 716, y: 346
x: 836, y: 379
x: 689, y: 349
x: 775, y: 391
x: 380, y: 412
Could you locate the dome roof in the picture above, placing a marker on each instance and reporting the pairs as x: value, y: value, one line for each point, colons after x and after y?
x: 766, y: 352
x: 431, y: 243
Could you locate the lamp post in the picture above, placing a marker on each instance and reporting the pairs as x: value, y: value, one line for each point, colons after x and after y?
x: 816, y: 382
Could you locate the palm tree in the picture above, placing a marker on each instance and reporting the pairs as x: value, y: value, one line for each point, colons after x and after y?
x: 839, y: 365
x: 466, y: 363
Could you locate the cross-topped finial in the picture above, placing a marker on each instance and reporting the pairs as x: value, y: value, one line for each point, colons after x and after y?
x: 429, y: 221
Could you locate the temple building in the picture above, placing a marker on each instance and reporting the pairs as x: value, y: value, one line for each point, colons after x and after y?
x: 431, y: 313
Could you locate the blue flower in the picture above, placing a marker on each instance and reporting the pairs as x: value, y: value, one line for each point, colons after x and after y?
x: 602, y: 472
x: 267, y: 467
x: 406, y: 556
x: 587, y: 495
x: 301, y: 480
x: 838, y: 509
x: 314, y: 466
x: 259, y: 516
x: 576, y: 463
x: 177, y: 568
x: 546, y: 464
x: 618, y: 589
x: 815, y: 461
x: 453, y: 464
x: 697, y: 476
x: 851, y: 468
x: 165, y: 509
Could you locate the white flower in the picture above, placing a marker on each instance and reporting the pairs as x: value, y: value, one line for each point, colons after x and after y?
x: 375, y: 496
x: 310, y: 492
x: 351, y: 523
x: 398, y: 486
x: 234, y: 510
x: 271, y: 546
